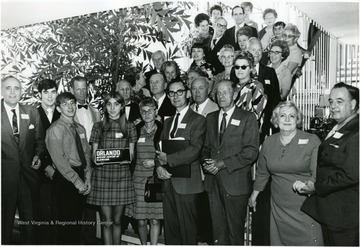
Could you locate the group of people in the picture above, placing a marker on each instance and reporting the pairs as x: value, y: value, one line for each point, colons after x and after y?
x: 232, y: 104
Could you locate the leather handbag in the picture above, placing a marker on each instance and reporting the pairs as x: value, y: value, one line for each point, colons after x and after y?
x: 153, y: 190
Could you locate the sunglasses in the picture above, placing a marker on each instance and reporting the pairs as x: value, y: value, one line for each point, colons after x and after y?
x: 243, y: 67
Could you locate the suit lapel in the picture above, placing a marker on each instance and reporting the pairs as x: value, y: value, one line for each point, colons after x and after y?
x: 5, y: 122
x: 24, y: 125
x: 230, y: 127
x: 185, y: 120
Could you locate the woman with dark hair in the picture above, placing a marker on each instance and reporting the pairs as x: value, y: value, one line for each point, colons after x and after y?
x: 149, y: 134
x: 286, y: 157
x: 251, y: 96
x: 198, y: 55
x: 279, y: 51
x: 112, y: 184
x: 170, y: 71
x: 203, y: 29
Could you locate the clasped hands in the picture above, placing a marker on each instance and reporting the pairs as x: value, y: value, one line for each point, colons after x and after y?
x: 86, y: 188
x: 213, y: 166
x: 304, y: 188
x: 161, y: 159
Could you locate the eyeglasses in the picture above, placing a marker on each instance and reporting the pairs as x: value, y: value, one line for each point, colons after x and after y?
x: 288, y: 36
x: 148, y: 112
x: 275, y: 52
x: 227, y: 57
x: 243, y: 67
x: 221, y: 26
x: 178, y: 93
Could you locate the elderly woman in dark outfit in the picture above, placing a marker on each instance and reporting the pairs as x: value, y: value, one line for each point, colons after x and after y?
x: 198, y: 55
x: 288, y: 156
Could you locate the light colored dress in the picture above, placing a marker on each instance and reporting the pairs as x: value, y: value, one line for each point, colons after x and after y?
x: 286, y: 164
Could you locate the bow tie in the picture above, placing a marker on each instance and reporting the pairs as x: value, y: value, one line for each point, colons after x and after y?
x: 81, y: 106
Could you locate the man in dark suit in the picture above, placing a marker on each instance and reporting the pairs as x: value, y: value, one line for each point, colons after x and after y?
x: 267, y: 76
x: 334, y: 197
x: 157, y: 89
x: 158, y: 58
x: 87, y: 116
x: 46, y: 234
x: 216, y: 43
x: 22, y: 143
x: 180, y: 193
x: 237, y: 14
x: 131, y: 109
x: 231, y: 147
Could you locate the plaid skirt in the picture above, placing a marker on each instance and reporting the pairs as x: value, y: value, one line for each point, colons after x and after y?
x: 111, y: 185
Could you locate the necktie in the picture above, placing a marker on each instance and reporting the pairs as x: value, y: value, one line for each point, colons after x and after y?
x: 172, y: 133
x: 332, y: 132
x: 222, y: 126
x: 80, y: 150
x: 197, y: 108
x: 49, y: 114
x: 214, y: 43
x: 82, y: 106
x: 15, y: 127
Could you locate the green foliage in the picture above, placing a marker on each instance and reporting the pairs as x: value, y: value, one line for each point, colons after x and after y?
x: 101, y: 46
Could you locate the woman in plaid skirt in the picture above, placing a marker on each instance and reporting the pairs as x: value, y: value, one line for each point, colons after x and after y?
x: 112, y: 184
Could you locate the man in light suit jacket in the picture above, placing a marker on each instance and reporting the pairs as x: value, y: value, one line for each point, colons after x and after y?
x: 231, y: 147
x: 180, y: 194
x: 334, y: 198
x: 238, y: 14
x: 46, y: 234
x: 87, y: 116
x: 22, y: 143
x: 200, y: 92
x: 203, y: 105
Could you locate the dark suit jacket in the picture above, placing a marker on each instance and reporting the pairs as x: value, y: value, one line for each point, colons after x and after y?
x: 14, y: 159
x: 267, y: 76
x: 239, y: 149
x: 195, y: 132
x: 230, y: 34
x: 134, y: 112
x: 336, y: 202
x: 166, y: 109
x: 45, y: 157
x: 212, y: 54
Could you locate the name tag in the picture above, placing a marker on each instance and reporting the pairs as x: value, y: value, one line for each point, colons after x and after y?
x: 338, y: 135
x: 25, y: 116
x: 303, y: 141
x: 142, y: 139
x: 82, y: 135
x: 267, y: 82
x: 182, y: 126
x: 235, y: 122
x: 118, y: 135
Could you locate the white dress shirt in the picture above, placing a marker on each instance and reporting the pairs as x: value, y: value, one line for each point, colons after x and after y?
x: 181, y: 116
x: 10, y: 114
x: 228, y: 116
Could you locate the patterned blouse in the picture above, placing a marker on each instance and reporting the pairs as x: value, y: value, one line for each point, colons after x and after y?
x: 251, y: 97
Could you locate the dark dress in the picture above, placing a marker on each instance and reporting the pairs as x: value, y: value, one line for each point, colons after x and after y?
x: 112, y: 184
x: 286, y: 164
x: 145, y: 150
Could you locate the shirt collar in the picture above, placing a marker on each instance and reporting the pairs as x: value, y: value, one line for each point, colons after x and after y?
x: 229, y: 112
x: 183, y: 111
x: 8, y: 108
